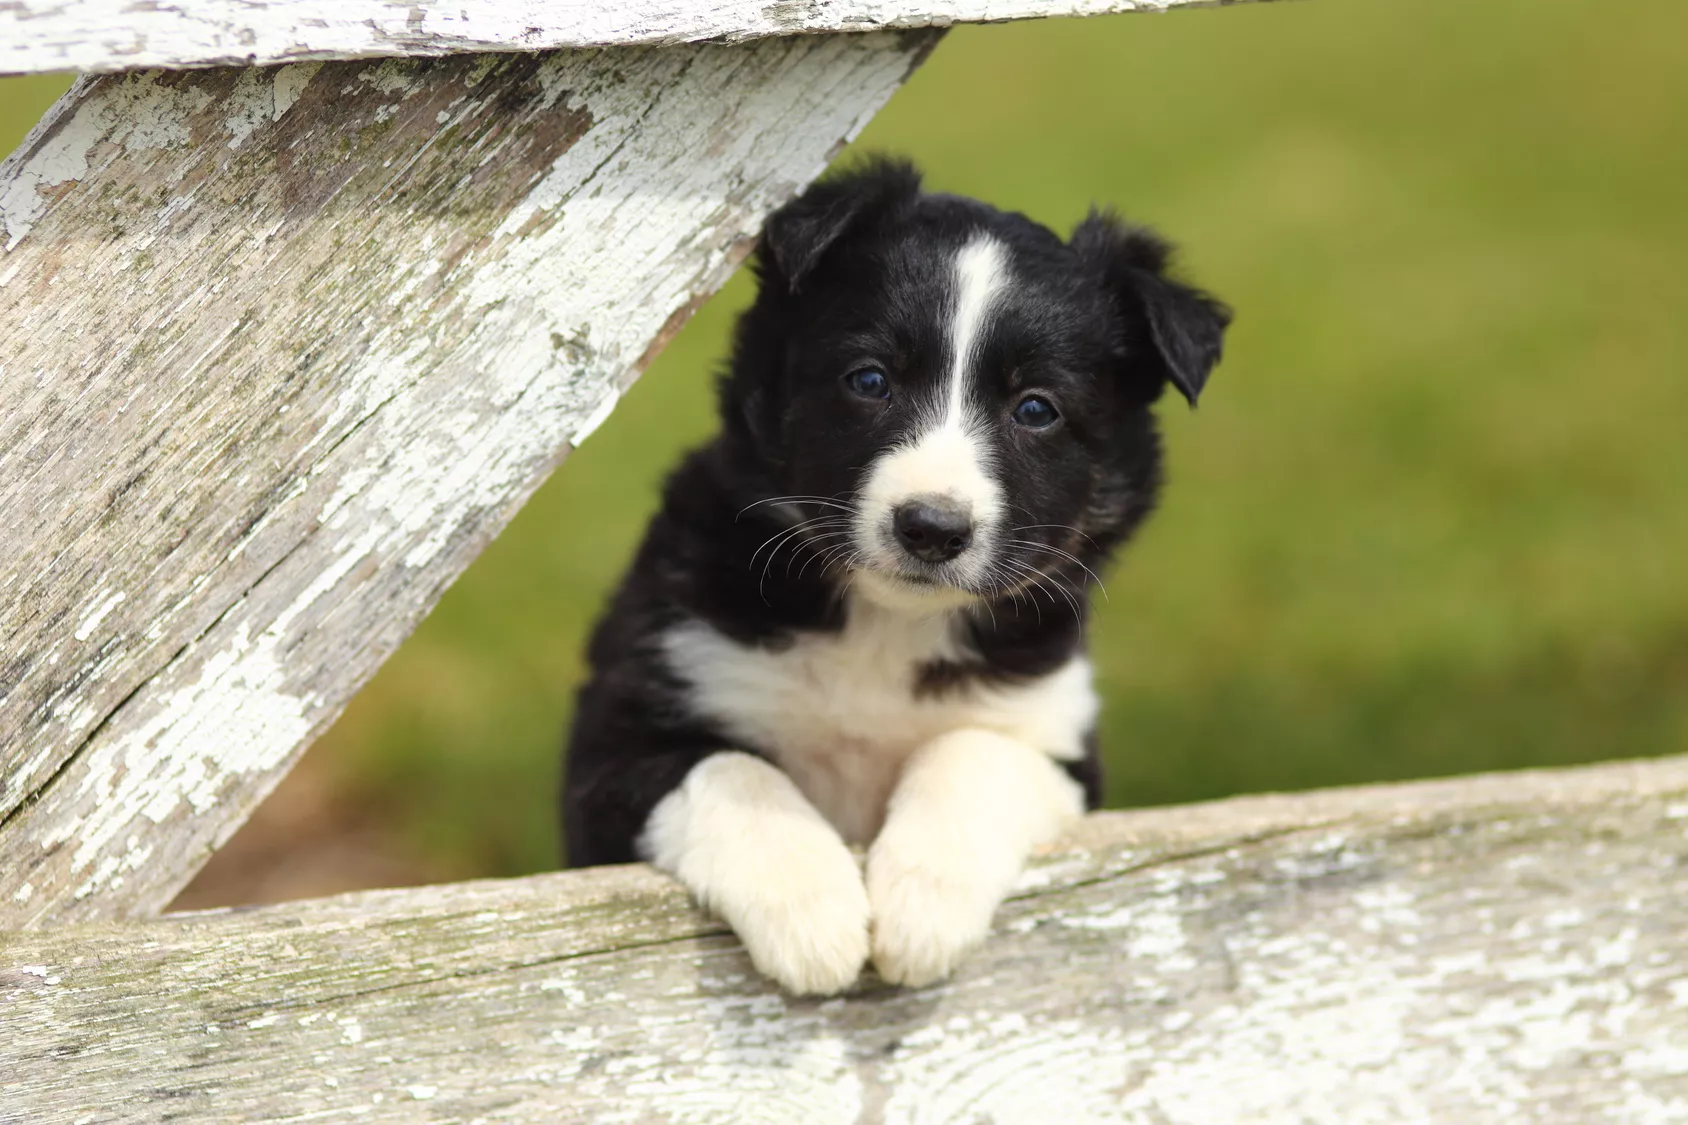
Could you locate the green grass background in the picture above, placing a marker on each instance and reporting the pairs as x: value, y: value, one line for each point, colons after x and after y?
x: 1431, y: 515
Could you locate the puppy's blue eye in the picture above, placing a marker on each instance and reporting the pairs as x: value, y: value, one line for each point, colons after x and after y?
x: 1035, y: 413
x: 869, y: 382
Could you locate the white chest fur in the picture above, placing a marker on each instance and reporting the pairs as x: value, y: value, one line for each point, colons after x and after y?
x: 839, y: 712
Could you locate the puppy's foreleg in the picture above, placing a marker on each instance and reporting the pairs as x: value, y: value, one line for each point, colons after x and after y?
x: 744, y: 840
x: 969, y: 808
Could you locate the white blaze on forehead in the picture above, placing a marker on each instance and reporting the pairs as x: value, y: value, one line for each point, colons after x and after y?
x: 981, y: 272
x: 947, y: 457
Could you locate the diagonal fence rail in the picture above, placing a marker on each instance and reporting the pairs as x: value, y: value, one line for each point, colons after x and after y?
x: 282, y: 348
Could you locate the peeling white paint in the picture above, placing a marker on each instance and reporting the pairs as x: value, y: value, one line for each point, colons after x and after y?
x: 133, y: 114
x: 260, y: 97
x: 234, y: 719
x: 814, y: 1071
x: 38, y: 166
x: 600, y: 414
x: 249, y: 104
x: 290, y: 82
x: 91, y: 35
x: 98, y: 614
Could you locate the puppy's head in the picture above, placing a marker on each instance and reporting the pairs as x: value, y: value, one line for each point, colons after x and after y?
x: 960, y: 397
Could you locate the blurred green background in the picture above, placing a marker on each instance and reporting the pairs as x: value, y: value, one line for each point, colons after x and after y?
x: 1431, y: 515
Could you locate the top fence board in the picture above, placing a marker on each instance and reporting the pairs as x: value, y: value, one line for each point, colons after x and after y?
x: 99, y: 36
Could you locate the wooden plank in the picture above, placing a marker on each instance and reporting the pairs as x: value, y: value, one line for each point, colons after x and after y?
x: 109, y: 35
x: 1496, y: 949
x: 280, y: 350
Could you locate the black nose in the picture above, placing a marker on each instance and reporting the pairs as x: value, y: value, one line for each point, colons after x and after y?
x: 931, y: 530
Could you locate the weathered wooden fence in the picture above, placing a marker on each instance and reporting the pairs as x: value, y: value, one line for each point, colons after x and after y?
x: 282, y: 346
x: 1497, y: 949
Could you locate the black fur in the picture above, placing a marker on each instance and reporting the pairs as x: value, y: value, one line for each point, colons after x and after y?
x: 857, y: 270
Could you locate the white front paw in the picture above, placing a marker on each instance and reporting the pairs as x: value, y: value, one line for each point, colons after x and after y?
x: 740, y: 835
x: 806, y: 926
x: 924, y: 920
x: 813, y: 945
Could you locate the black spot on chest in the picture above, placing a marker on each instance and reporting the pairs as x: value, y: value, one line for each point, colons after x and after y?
x: 950, y: 679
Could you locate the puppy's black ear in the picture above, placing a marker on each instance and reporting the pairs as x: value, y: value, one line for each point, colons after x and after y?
x: 1186, y: 326
x: 798, y: 234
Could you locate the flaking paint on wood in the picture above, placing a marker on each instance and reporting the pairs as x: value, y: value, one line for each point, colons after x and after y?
x: 1503, y: 949
x: 109, y: 35
x: 282, y: 349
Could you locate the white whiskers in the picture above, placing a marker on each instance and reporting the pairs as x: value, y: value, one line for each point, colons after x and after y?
x: 1072, y: 558
x: 816, y: 534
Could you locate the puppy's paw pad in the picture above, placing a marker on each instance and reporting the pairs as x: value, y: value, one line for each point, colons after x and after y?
x: 923, y: 925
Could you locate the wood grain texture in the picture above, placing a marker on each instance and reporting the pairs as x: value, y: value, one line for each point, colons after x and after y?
x: 108, y: 35
x: 1503, y: 949
x: 280, y: 350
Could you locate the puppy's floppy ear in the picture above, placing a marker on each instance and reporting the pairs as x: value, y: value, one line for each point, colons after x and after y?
x: 1186, y: 325
x: 798, y: 234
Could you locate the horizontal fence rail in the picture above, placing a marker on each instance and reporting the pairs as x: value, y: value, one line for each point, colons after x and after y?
x: 1493, y: 949
x: 106, y: 35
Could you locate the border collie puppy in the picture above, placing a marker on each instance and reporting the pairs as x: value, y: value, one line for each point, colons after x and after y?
x: 859, y: 616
